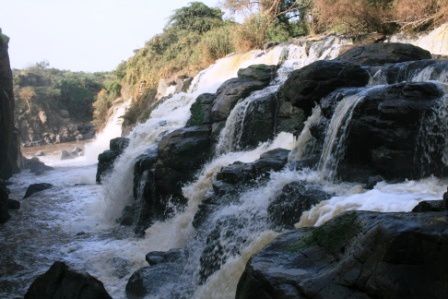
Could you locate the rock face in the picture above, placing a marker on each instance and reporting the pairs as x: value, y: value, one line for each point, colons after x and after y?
x: 250, y: 79
x: 34, y: 188
x: 4, y: 203
x: 384, y: 135
x: 9, y: 150
x: 380, y: 54
x: 181, y: 153
x: 165, y: 268
x: 107, y: 158
x: 62, y: 282
x: 307, y: 86
x: 295, y: 198
x: 35, y: 165
x: 357, y: 255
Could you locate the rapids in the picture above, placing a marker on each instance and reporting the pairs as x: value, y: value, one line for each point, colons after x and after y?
x: 75, y: 220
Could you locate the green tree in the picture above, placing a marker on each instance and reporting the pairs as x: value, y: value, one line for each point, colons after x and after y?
x: 196, y: 17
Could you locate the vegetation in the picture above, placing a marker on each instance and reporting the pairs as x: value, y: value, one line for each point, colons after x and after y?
x: 197, y: 35
x: 56, y: 90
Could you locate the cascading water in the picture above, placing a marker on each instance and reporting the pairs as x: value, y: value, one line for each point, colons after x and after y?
x: 333, y: 147
x: 67, y: 215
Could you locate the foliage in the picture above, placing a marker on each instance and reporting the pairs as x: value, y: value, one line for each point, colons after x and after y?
x: 55, y: 90
x: 197, y: 17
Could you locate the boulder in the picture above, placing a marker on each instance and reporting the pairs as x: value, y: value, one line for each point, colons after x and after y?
x: 258, y: 72
x: 107, y: 158
x: 380, y: 54
x: 35, y: 166
x: 230, y: 93
x: 385, y: 136
x: 60, y: 281
x: 148, y: 281
x: 240, y: 173
x: 295, y: 198
x: 180, y: 154
x: 35, y: 188
x: 430, y: 206
x: 307, y: 86
x: 201, y: 110
x: 259, y: 122
x: 237, y: 177
x: 159, y: 257
x: 357, y: 255
x: 13, y: 204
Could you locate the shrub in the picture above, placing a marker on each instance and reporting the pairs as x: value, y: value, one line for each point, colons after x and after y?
x: 419, y: 15
x: 215, y: 44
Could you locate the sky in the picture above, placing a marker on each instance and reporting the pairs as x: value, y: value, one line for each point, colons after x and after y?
x: 82, y: 35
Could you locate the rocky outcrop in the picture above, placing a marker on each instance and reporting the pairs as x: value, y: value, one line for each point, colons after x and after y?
x: 35, y: 188
x: 296, y: 197
x: 107, y: 158
x: 385, y: 137
x: 421, y: 70
x: 378, y: 54
x: 9, y: 149
x: 305, y: 87
x: 180, y: 154
x: 4, y: 203
x: 60, y: 281
x: 164, y: 268
x: 35, y: 166
x: 250, y: 79
x: 357, y: 255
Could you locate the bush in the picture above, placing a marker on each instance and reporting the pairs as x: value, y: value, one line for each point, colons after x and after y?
x: 253, y: 33
x: 419, y: 15
x: 215, y: 44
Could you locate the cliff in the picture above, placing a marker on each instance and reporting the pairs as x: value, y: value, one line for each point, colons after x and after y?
x: 8, y: 137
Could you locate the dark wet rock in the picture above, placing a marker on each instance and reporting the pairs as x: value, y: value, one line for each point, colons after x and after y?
x: 295, y: 198
x: 159, y: 257
x: 380, y: 54
x: 180, y: 154
x: 230, y: 93
x: 35, y: 188
x: 307, y: 86
x: 201, y: 110
x: 149, y: 280
x: 9, y: 148
x: 35, y: 166
x: 107, y: 158
x: 60, y: 281
x: 357, y: 255
x: 383, y: 137
x: 239, y: 176
x: 13, y: 204
x: 4, y: 202
x: 289, y: 118
x: 430, y: 206
x: 240, y: 173
x: 259, y: 122
x: 258, y: 72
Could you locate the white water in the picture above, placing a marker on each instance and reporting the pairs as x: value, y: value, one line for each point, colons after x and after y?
x: 333, y: 147
x: 99, y: 144
x: 69, y: 216
x: 435, y: 41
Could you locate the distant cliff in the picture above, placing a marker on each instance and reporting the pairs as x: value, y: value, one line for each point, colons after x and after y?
x: 54, y: 106
x: 8, y: 136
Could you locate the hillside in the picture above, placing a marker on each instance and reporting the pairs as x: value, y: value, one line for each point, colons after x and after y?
x: 54, y: 106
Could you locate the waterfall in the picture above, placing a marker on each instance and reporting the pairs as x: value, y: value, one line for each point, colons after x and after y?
x: 304, y: 139
x: 333, y: 149
x: 92, y: 149
x: 432, y: 140
x: 230, y: 136
x: 171, y: 114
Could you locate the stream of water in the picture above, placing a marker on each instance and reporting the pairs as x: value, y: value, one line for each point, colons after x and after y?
x: 75, y: 220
